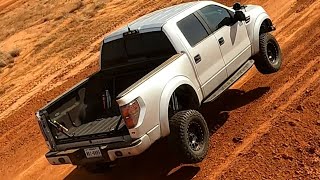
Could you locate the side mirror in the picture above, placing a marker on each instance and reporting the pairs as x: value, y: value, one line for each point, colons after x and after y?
x: 237, y: 6
x: 239, y: 16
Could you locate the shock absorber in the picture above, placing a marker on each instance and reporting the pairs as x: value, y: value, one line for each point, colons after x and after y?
x: 175, y: 104
x: 106, y: 100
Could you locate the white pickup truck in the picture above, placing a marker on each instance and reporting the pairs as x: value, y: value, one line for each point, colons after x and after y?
x: 154, y: 74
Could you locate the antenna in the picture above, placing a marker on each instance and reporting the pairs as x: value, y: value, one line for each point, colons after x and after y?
x: 130, y: 31
x: 128, y: 28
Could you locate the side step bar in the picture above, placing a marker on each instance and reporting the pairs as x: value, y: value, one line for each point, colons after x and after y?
x: 244, y: 68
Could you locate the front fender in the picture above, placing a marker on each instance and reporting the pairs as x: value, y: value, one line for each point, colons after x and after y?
x: 167, y: 92
x: 256, y: 31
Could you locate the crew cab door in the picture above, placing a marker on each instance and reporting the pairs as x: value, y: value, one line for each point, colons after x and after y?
x: 232, y: 36
x: 204, y: 52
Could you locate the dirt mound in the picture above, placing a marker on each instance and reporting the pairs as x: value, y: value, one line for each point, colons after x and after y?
x: 265, y: 127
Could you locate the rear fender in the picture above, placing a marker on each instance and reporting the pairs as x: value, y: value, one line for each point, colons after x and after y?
x: 170, y: 87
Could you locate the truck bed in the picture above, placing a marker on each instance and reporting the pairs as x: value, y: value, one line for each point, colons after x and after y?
x: 89, y: 110
x: 95, y: 127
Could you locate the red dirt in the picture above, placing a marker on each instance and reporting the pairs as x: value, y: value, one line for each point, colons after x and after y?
x: 276, y: 118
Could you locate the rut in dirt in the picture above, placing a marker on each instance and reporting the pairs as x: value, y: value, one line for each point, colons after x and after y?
x: 254, y: 114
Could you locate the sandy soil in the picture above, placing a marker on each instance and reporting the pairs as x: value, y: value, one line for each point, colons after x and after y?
x: 265, y: 127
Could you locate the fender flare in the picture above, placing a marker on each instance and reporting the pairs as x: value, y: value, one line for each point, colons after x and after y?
x: 166, y: 94
x: 256, y: 32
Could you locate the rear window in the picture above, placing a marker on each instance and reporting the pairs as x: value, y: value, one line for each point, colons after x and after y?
x: 192, y: 29
x: 137, y: 47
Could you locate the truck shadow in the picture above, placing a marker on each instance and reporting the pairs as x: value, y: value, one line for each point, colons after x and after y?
x: 216, y: 113
x: 158, y: 162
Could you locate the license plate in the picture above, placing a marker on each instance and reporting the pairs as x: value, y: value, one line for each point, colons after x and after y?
x: 93, y: 152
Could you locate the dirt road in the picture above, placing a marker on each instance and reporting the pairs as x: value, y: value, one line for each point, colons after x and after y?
x: 265, y: 127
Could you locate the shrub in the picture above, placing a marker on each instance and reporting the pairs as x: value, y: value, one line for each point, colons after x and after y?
x: 15, y: 52
x: 72, y: 7
x: 2, y: 63
x: 6, y: 59
x: 3, y: 59
x: 10, y: 61
x: 2, y: 91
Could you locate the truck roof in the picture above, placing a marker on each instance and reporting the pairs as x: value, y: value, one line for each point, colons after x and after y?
x: 152, y: 21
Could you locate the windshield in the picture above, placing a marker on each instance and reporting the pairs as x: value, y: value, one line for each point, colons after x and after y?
x: 137, y: 47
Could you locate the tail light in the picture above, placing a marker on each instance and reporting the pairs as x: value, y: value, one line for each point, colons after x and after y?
x: 130, y: 114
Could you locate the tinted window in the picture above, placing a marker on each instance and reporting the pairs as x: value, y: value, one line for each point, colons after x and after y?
x: 215, y: 16
x: 192, y: 29
x: 138, y: 47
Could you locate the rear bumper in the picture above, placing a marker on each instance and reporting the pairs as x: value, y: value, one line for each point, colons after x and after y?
x: 78, y: 156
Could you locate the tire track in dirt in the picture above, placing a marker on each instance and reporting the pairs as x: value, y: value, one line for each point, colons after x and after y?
x: 289, y: 84
x: 65, y: 23
x: 283, y: 151
x: 40, y: 167
x: 74, y: 62
x: 289, y: 45
x: 10, y: 125
x: 5, y: 4
x: 294, y: 62
x: 30, y: 133
x: 84, y: 52
x: 286, y: 40
x: 263, y: 128
x: 41, y: 172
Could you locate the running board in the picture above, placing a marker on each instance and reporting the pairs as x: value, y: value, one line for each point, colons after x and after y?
x: 244, y: 68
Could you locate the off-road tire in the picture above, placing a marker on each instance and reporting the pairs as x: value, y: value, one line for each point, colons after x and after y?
x: 184, y: 127
x: 269, y: 58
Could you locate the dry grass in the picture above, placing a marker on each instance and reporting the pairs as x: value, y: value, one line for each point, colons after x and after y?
x: 10, y: 66
x: 100, y: 4
x: 45, y: 43
x: 7, y: 58
x: 4, y: 59
x: 2, y: 91
x: 10, y: 61
x: 2, y: 63
x: 15, y: 52
x: 5, y: 88
x: 74, y: 6
x: 92, y: 9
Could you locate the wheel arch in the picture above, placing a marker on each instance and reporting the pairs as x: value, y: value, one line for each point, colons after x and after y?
x: 266, y: 26
x: 263, y: 24
x: 170, y: 88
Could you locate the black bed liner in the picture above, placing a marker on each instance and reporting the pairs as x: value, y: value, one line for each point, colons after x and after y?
x: 95, y: 127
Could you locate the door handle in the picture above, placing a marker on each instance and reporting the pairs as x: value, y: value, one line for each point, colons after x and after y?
x: 197, y: 58
x: 221, y: 41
